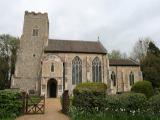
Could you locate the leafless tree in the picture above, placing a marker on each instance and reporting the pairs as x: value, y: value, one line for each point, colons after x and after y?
x: 140, y: 49
x: 116, y: 54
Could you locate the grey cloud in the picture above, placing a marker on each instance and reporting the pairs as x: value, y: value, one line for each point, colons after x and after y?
x: 119, y: 23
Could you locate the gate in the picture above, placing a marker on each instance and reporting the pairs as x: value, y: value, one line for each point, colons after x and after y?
x: 33, y: 104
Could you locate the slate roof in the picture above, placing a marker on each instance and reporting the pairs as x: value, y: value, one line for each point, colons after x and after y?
x: 74, y: 46
x: 123, y: 62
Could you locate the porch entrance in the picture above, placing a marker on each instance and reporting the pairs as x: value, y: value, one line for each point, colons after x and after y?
x: 52, y: 88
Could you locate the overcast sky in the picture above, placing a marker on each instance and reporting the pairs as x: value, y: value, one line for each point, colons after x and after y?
x: 119, y: 23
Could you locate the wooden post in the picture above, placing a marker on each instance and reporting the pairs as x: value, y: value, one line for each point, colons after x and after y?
x: 65, y: 102
x: 24, y: 101
x: 27, y: 103
x: 64, y: 76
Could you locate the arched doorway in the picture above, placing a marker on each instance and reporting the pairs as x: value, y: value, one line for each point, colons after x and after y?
x: 52, y: 88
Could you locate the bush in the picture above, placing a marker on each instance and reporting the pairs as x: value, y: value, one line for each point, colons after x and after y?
x: 127, y: 102
x: 154, y: 104
x: 89, y: 96
x: 133, y: 102
x: 10, y: 104
x: 144, y: 87
x: 156, y: 91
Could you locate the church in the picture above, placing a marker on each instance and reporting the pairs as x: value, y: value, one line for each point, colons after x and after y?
x: 50, y: 66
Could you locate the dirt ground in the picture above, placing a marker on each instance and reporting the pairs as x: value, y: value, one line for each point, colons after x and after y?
x: 52, y: 112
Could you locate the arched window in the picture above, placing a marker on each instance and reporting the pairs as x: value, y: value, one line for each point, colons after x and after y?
x: 76, y: 70
x: 52, y: 67
x: 131, y: 78
x: 113, y: 78
x: 96, y: 70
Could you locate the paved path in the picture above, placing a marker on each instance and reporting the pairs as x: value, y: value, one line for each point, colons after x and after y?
x: 52, y: 112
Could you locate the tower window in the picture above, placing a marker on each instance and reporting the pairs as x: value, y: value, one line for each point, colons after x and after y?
x: 35, y: 32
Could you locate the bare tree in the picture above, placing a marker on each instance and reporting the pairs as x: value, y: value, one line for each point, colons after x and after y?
x: 116, y: 54
x: 140, y: 49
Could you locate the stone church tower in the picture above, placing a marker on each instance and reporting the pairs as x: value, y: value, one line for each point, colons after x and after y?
x: 33, y: 41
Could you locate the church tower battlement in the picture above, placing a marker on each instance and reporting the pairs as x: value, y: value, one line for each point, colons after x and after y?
x: 32, y: 43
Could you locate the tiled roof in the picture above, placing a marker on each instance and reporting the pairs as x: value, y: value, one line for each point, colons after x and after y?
x: 123, y: 62
x: 70, y: 46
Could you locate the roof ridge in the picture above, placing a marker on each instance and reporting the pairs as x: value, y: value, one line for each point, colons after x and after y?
x: 76, y: 40
x: 133, y: 61
x: 118, y: 59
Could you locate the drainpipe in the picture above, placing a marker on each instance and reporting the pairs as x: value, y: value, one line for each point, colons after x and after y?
x: 116, y: 79
x: 103, y: 70
x: 63, y: 76
x: 122, y: 82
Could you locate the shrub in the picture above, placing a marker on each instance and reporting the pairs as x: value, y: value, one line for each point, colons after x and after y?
x: 113, y: 102
x: 144, y: 87
x: 133, y: 102
x: 10, y: 104
x: 154, y: 104
x: 89, y: 96
x: 127, y: 102
x: 156, y: 91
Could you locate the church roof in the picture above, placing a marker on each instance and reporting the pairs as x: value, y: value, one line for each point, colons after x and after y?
x: 123, y: 62
x: 74, y: 46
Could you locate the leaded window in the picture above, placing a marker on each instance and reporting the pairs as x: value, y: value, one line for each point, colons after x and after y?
x: 113, y: 78
x: 131, y: 78
x: 76, y: 71
x: 96, y: 70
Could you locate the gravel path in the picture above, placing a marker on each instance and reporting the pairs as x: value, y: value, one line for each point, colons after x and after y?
x: 52, y: 112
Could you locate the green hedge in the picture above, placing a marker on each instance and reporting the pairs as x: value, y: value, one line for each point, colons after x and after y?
x: 89, y: 96
x: 154, y: 104
x: 10, y: 104
x: 144, y: 87
x: 127, y: 102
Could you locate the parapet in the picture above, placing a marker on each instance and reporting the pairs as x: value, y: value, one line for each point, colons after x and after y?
x: 34, y: 14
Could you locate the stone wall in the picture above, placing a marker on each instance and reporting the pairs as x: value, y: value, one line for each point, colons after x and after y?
x: 28, y: 64
x: 60, y: 58
x: 122, y: 77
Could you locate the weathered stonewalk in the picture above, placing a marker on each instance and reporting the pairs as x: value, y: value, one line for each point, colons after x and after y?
x: 52, y: 112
